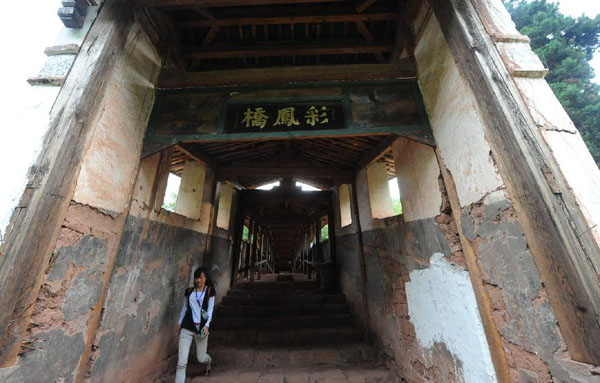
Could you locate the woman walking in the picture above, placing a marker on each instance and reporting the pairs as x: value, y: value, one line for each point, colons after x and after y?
x: 194, y: 323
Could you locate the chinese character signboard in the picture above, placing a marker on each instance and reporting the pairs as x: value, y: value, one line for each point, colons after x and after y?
x: 284, y: 117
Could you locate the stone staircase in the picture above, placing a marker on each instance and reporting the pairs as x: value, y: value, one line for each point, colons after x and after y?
x: 287, y: 332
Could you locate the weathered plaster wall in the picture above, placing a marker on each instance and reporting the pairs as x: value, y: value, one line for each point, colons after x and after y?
x: 398, y: 250
x: 144, y: 300
x: 72, y: 297
x: 157, y: 254
x: 530, y: 338
x: 219, y: 258
x: 457, y: 126
x: 418, y: 179
x: 347, y: 250
x: 443, y: 291
x: 110, y: 164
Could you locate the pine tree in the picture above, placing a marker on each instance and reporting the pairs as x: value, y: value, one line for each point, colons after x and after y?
x: 565, y: 45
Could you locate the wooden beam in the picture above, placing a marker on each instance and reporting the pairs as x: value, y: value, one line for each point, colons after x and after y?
x: 174, y: 79
x: 197, y: 155
x: 210, y: 36
x: 364, y: 4
x: 364, y: 31
x: 152, y: 147
x: 377, y: 152
x: 205, y: 12
x: 289, y: 20
x: 227, y: 173
x: 223, y: 3
x: 265, y: 136
x: 275, y: 50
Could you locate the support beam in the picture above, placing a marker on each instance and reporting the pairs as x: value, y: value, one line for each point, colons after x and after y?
x: 364, y: 4
x: 362, y: 263
x: 331, y: 227
x: 222, y: 3
x: 406, y: 130
x: 276, y: 50
x: 175, y: 79
x: 210, y: 36
x: 249, y: 21
x: 364, y: 31
x: 197, y: 155
x: 377, y: 152
x: 227, y: 173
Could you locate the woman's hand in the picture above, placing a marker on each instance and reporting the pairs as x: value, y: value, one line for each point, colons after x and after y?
x: 205, y: 329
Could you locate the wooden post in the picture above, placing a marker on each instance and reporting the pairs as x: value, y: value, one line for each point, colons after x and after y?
x: 305, y: 250
x: 361, y: 260
x: 311, y: 252
x: 262, y: 253
x: 331, y: 227
x: 318, y: 253
x: 253, y: 252
x: 238, y: 232
x: 249, y: 247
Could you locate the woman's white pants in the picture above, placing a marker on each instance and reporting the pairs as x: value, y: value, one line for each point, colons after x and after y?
x: 185, y: 342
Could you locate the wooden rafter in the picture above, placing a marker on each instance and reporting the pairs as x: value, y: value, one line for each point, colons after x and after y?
x: 197, y: 155
x: 364, y: 31
x: 212, y: 32
x: 376, y: 152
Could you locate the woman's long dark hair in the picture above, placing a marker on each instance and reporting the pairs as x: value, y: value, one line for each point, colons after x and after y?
x: 199, y: 272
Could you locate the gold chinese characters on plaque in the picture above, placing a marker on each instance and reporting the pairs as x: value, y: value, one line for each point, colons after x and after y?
x: 284, y: 117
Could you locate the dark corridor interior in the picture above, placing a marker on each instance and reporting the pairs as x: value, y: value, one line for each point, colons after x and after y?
x: 285, y: 229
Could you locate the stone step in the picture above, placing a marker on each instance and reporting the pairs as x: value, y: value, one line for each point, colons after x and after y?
x: 301, y: 285
x: 281, y: 323
x: 306, y: 299
x: 269, y: 292
x: 298, y: 337
x: 352, y: 354
x: 280, y: 311
x: 298, y: 375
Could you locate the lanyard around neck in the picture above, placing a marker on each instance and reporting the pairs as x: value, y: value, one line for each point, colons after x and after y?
x: 201, y: 295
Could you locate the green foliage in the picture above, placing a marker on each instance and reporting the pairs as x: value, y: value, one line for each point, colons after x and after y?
x: 325, y: 233
x: 565, y: 45
x: 245, y: 233
x: 170, y: 206
x: 397, y: 206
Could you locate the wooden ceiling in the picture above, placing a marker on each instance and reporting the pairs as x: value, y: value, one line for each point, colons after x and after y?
x: 241, y: 34
x: 317, y: 161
